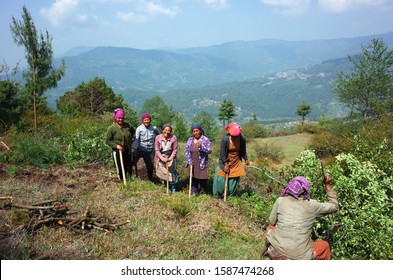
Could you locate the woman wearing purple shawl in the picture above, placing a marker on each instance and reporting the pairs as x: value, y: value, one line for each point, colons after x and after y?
x: 289, y: 234
x: 197, y: 153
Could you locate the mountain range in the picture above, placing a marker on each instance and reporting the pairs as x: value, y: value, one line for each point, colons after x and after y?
x: 266, y: 77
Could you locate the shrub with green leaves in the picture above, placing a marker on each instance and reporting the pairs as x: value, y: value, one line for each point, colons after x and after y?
x: 36, y: 151
x: 269, y: 151
x: 363, y: 224
x: 365, y: 210
x: 86, y: 145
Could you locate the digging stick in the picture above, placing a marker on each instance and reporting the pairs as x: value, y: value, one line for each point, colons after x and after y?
x: 5, y: 145
x: 167, y: 178
x: 323, y: 174
x: 133, y: 157
x: 274, y: 179
x: 226, y: 187
x: 190, y: 183
x: 122, y: 168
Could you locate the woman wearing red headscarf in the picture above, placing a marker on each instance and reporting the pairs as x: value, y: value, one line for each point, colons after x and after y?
x: 144, y: 144
x: 119, y: 137
x: 232, y: 151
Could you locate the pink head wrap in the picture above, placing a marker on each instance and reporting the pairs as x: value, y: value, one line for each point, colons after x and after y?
x: 146, y: 116
x: 234, y: 129
x: 119, y: 114
x: 299, y: 186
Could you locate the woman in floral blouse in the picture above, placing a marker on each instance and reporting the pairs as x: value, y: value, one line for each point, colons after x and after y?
x: 197, y: 153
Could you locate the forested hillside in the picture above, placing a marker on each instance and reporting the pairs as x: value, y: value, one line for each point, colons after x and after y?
x: 260, y: 76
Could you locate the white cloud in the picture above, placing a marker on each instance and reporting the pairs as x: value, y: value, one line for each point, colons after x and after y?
x: 288, y: 7
x: 147, y: 10
x: 59, y: 10
x: 340, y: 6
x: 157, y: 9
x: 335, y: 6
x: 216, y: 3
x: 131, y: 17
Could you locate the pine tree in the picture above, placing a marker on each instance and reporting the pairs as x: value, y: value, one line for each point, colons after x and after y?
x: 303, y: 110
x: 226, y: 111
x: 41, y: 74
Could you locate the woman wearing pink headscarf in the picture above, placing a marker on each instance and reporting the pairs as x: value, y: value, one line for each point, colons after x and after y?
x: 119, y: 137
x: 289, y: 234
x: 232, y: 151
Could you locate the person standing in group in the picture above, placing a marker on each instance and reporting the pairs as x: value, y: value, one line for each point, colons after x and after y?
x: 119, y: 137
x: 232, y: 151
x: 197, y: 152
x: 165, y: 157
x: 144, y: 144
x: 289, y: 235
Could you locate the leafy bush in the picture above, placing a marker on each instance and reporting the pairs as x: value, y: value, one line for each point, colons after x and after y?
x: 365, y: 210
x: 330, y: 141
x: 269, y: 151
x: 367, y: 139
x: 255, y: 206
x: 252, y: 130
x: 375, y: 143
x: 362, y: 228
x: 86, y: 145
x: 35, y: 150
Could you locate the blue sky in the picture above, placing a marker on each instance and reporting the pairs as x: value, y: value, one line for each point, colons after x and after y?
x: 152, y: 24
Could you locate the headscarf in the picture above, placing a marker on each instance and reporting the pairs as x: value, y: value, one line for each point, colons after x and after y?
x: 234, y: 129
x: 197, y: 126
x: 167, y: 125
x: 118, y: 114
x: 145, y: 116
x: 299, y: 186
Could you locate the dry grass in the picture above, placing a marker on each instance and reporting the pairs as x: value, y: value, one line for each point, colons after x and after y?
x: 160, y: 227
x: 291, y: 145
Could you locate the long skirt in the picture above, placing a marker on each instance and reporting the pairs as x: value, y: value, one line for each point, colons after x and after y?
x: 219, y: 185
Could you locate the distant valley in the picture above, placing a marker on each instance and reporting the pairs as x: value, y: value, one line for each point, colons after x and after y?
x: 266, y: 77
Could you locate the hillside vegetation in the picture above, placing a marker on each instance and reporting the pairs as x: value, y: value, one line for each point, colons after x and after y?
x: 60, y: 199
x: 159, y: 226
x: 267, y: 77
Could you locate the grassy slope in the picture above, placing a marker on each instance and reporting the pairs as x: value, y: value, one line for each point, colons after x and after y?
x: 292, y: 146
x: 160, y: 226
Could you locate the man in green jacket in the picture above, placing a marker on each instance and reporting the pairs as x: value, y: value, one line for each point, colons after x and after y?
x: 119, y: 137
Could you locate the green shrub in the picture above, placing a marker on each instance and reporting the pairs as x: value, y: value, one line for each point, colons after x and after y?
x: 86, y: 145
x: 329, y: 142
x: 255, y: 206
x: 269, y: 151
x: 365, y: 227
x: 36, y: 151
x: 252, y: 130
x: 365, y: 210
x: 12, y: 171
x: 181, y: 205
x: 375, y: 143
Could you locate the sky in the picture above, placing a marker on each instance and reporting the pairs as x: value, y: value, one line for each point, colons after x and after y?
x: 155, y: 24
